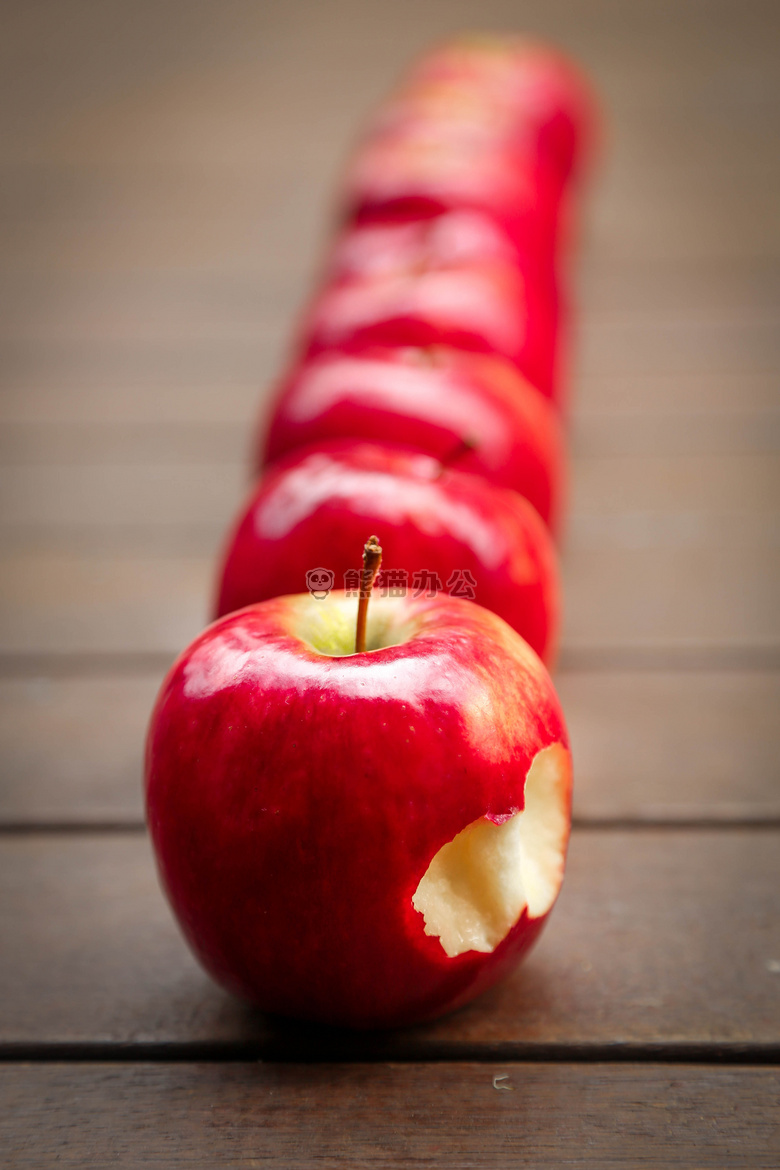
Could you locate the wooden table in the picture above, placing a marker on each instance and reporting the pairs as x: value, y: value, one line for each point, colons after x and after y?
x: 165, y: 174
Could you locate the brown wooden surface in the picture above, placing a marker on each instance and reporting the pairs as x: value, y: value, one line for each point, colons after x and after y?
x: 661, y: 940
x: 165, y: 179
x: 447, y: 1115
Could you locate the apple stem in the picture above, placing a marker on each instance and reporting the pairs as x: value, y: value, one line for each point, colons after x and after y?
x: 461, y: 448
x: 372, y: 559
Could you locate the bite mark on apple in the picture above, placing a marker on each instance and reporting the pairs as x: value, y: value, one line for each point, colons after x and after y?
x: 478, y: 885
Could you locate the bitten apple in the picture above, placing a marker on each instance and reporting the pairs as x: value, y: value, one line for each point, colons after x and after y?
x: 367, y: 839
x: 472, y: 410
x: 444, y: 529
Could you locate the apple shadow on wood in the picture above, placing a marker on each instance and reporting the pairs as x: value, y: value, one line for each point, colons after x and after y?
x: 243, y: 1030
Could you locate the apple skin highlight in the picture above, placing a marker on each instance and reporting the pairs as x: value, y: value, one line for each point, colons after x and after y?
x: 315, y: 507
x: 295, y: 798
x: 452, y: 278
x: 485, y: 306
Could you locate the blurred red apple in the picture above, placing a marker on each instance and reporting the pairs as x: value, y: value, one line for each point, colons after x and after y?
x: 454, y: 279
x: 363, y: 839
x: 495, y: 124
x: 475, y: 411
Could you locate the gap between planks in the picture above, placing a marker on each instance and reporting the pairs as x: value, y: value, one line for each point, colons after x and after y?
x: 582, y: 823
x: 573, y: 660
x: 347, y: 1048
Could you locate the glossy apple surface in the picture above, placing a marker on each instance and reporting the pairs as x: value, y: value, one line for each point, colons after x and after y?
x: 361, y: 839
x: 454, y: 277
x: 452, y: 280
x: 313, y: 511
x: 506, y: 88
x: 443, y: 241
x: 493, y: 124
x: 432, y: 401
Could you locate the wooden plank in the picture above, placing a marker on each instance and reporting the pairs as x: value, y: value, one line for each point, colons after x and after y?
x: 75, y: 298
x: 72, y: 748
x: 646, y: 559
x: 702, y: 487
x: 130, y: 593
x: 64, y: 602
x: 674, y: 746
x: 185, y: 245
x: 609, y: 349
x: 646, y: 394
x: 459, y: 1116
x: 108, y: 496
x: 221, y: 403
x: 648, y: 746
x: 677, y: 345
x: 183, y: 362
x: 595, y: 434
x: 160, y: 442
x: 666, y: 287
x: 134, y: 307
x: 653, y: 434
x: 663, y: 942
x: 741, y: 226
x: 676, y: 484
x: 131, y: 404
x: 682, y: 598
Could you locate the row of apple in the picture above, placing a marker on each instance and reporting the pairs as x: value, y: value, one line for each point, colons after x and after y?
x: 437, y: 331
x: 372, y: 837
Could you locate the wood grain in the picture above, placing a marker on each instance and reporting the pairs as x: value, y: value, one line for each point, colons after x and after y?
x: 71, y: 602
x: 686, y: 432
x: 663, y: 942
x: 699, y: 745
x: 688, y: 597
x: 72, y: 748
x: 648, y: 746
x: 651, y: 394
x: 330, y: 1116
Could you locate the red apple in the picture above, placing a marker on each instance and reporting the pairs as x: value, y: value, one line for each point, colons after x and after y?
x: 505, y: 88
x: 472, y: 409
x: 454, y: 280
x: 494, y: 124
x: 442, y: 528
x: 371, y: 250
x: 362, y: 839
